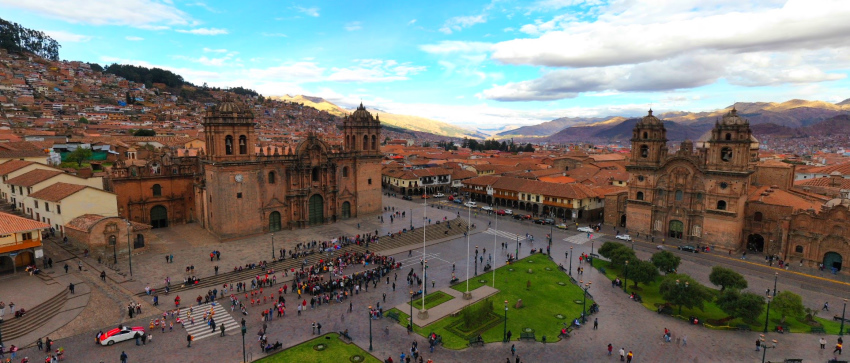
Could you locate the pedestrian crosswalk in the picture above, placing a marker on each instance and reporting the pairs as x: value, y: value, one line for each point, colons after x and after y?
x: 200, y: 329
x: 504, y: 234
x: 581, y: 238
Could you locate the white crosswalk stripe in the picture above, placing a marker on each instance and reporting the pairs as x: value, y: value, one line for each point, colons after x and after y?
x: 200, y: 329
x: 503, y: 234
x: 581, y: 238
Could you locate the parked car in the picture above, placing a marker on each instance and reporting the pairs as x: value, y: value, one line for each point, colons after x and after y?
x: 518, y: 216
x: 585, y: 229
x: 500, y: 212
x: 469, y: 204
x: 561, y: 226
x: 623, y: 237
x: 659, y: 247
x: 439, y: 195
x: 549, y: 221
x: 407, y: 197
x: 121, y: 334
x: 425, y: 196
x: 691, y: 249
x: 486, y: 207
x: 527, y: 216
x: 539, y: 221
x: 509, y: 211
x: 458, y: 200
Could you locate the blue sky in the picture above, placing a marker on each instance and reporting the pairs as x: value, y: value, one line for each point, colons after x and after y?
x: 473, y: 63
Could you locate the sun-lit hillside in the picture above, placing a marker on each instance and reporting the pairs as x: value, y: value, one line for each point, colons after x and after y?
x: 315, y: 102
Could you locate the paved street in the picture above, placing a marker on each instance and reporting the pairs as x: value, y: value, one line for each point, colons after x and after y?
x: 621, y: 321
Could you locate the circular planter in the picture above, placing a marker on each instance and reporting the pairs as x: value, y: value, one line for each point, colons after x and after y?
x: 320, y: 347
x: 578, y: 301
x: 560, y: 316
x: 530, y: 271
x: 527, y: 330
x: 511, y: 270
x: 548, y: 269
x: 562, y: 283
x: 530, y: 261
x: 482, y: 281
x: 356, y: 358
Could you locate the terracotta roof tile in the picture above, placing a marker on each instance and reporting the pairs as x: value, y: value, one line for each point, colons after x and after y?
x: 57, y: 192
x: 11, y: 224
x: 33, y: 177
x: 12, y: 165
x: 86, y: 221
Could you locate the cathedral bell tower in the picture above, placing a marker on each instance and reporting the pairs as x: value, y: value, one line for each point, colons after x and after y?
x: 229, y: 132
x: 731, y: 146
x: 649, y: 142
x: 362, y: 132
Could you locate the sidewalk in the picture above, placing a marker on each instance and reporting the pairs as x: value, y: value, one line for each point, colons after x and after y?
x: 449, y: 307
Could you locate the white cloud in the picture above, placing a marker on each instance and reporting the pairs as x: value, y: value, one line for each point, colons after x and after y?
x: 411, y: 22
x: 204, y: 6
x: 454, y: 46
x: 63, y: 36
x: 374, y: 70
x: 134, y: 38
x: 203, y: 31
x: 281, y: 35
x: 314, y: 11
x: 457, y: 23
x: 135, y: 13
x: 352, y: 26
x: 209, y: 50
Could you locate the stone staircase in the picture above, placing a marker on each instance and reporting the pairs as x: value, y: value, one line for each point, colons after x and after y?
x: 14, y: 328
x: 385, y: 243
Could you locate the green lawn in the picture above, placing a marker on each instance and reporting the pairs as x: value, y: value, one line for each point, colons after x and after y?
x: 650, y: 295
x: 335, y: 351
x: 432, y: 300
x: 550, y: 294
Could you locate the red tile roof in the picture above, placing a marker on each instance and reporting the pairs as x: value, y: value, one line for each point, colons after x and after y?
x: 57, y: 192
x: 12, y: 165
x: 12, y: 224
x: 33, y: 177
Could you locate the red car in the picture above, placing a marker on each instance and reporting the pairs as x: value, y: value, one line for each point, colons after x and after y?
x: 120, y: 334
x: 527, y: 216
x: 500, y: 212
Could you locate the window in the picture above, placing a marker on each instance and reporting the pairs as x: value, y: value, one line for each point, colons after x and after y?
x: 365, y: 142
x: 112, y: 240
x: 370, y: 181
x: 640, y: 178
x: 27, y: 235
x: 36, y: 204
x: 58, y: 209
x: 679, y: 195
x: 724, y: 185
x: 644, y: 151
x: 639, y: 196
x: 726, y: 154
x: 728, y: 136
x: 345, y: 172
x: 374, y: 142
x: 228, y: 145
x: 157, y: 190
x: 271, y: 177
x: 239, y: 195
x: 645, y: 135
x: 798, y: 249
x: 758, y: 217
x: 47, y: 207
x: 699, y: 196
x: 721, y: 205
x: 243, y: 144
x: 315, y: 174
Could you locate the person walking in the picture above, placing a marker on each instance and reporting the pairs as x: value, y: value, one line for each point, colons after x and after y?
x: 595, y: 323
x: 837, y: 348
x: 758, y: 345
x: 189, y: 341
x: 822, y: 342
x: 123, y: 357
x: 610, y: 348
x: 629, y: 357
x: 825, y: 306
x: 622, y: 354
x: 513, y: 350
x: 221, y: 327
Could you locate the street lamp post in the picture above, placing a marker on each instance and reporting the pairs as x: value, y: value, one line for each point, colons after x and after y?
x: 493, y: 266
x: 114, y: 251
x: 626, y: 275
x: 411, y: 219
x: 767, y: 317
x: 505, y: 331
x: 571, y: 260
x: 584, y: 301
x: 370, y: 327
x: 1, y: 324
x: 840, y: 331
x: 682, y: 287
x: 467, y: 295
x: 273, y: 255
x: 244, y: 356
x: 765, y: 347
x: 551, y: 231
x: 775, y: 278
x: 129, y: 250
x: 476, y: 262
x: 410, y: 327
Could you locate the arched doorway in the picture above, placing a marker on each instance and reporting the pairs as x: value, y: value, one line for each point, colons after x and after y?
x: 274, y: 221
x: 346, y: 210
x: 159, y: 217
x: 832, y: 260
x: 623, y: 220
x: 755, y: 243
x: 140, y: 241
x: 676, y: 229
x: 317, y: 209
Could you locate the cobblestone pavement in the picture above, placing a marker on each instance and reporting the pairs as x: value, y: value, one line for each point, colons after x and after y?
x: 622, y: 322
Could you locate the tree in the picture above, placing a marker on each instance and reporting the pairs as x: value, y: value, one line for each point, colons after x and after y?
x: 144, y: 132
x: 528, y: 148
x: 608, y: 248
x: 682, y: 290
x: 621, y: 255
x: 746, y: 305
x: 83, y: 120
x: 666, y: 261
x: 642, y: 272
x: 426, y: 144
x: 80, y: 155
x: 787, y: 304
x: 724, y: 277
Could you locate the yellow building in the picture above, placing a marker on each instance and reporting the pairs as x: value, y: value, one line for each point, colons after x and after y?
x: 12, y: 169
x: 20, y: 242
x: 25, y: 184
x: 62, y: 202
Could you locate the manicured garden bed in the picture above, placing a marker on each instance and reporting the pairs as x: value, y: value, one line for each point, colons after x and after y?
x: 432, y: 300
x: 327, y: 348
x: 547, y: 305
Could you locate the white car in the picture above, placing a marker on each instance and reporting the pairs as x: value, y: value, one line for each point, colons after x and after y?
x: 121, y: 334
x: 509, y: 211
x: 439, y: 195
x: 487, y: 207
x: 585, y: 229
x: 470, y: 204
x: 623, y: 237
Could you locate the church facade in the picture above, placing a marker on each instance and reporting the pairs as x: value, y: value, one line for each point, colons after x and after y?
x: 238, y: 189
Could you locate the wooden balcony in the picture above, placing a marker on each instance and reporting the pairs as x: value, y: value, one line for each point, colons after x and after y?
x: 22, y: 245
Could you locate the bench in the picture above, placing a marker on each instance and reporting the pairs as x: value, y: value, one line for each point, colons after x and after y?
x: 454, y: 281
x: 794, y: 360
x: 818, y: 329
x: 602, y: 270
x: 475, y: 341
x: 393, y: 315
x: 344, y: 335
x: 838, y: 318
x: 781, y: 329
x: 526, y: 336
x: 417, y: 294
x: 638, y: 298
x: 742, y: 327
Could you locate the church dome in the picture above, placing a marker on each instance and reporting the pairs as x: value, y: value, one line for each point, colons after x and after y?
x: 230, y: 108
x: 361, y: 114
x: 732, y: 118
x: 649, y: 119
